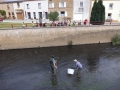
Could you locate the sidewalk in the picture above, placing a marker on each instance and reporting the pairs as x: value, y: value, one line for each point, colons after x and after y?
x: 47, y: 21
x: 25, y: 21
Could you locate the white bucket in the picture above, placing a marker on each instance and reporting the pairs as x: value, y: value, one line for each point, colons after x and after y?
x: 70, y: 71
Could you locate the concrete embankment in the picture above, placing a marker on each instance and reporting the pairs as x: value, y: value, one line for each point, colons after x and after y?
x: 47, y: 37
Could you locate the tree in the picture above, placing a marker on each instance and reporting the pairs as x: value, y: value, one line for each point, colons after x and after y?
x: 2, y: 12
x: 94, y: 13
x: 98, y: 13
x: 101, y: 11
x: 53, y: 16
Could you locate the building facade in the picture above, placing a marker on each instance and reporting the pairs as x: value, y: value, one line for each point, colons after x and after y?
x: 112, y: 10
x: 25, y: 9
x: 36, y: 9
x: 18, y: 10
x: 81, y: 9
x: 64, y: 8
x: 8, y: 7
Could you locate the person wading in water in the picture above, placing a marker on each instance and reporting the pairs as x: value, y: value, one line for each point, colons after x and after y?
x: 78, y: 66
x: 53, y: 65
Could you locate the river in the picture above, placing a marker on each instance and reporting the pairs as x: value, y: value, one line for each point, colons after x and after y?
x: 28, y: 69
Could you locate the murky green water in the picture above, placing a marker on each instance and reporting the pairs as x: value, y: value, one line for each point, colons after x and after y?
x: 28, y: 69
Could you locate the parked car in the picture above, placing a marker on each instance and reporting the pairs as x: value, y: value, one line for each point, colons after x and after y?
x: 1, y: 19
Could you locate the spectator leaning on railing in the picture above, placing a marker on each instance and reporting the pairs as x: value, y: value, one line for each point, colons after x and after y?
x: 33, y: 25
x: 36, y: 24
x: 79, y: 23
x: 23, y: 25
x: 69, y: 23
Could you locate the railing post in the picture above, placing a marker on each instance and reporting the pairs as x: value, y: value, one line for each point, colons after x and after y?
x: 110, y: 22
x: 26, y: 25
x: 12, y: 25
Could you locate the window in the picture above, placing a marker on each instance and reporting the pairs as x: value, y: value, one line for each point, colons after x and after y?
x: 28, y: 6
x: 80, y: 10
x: 9, y: 14
x: 8, y: 7
x: 109, y: 18
x: 62, y: 13
x: 81, y: 4
x: 111, y: 6
x: 51, y: 5
x: 29, y: 15
x: 18, y: 5
x: 40, y: 14
x: 34, y: 14
x: 13, y: 13
x: 39, y: 5
x: 46, y: 14
x: 109, y: 15
x: 62, y: 4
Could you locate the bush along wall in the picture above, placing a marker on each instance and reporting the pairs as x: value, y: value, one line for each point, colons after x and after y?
x: 116, y: 40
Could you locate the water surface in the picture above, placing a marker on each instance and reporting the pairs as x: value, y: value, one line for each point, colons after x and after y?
x: 28, y: 69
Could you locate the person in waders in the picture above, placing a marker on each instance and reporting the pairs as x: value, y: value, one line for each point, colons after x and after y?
x: 53, y: 65
x: 78, y: 67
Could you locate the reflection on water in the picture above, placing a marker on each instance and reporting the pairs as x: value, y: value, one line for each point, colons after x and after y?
x: 54, y: 80
x: 92, y: 63
x: 77, y: 81
x: 93, y: 59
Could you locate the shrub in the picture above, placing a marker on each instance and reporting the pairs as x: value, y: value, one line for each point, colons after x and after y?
x: 70, y: 43
x: 2, y: 12
x: 53, y: 16
x: 116, y: 40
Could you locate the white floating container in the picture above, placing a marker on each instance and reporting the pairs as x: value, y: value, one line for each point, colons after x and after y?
x: 70, y: 71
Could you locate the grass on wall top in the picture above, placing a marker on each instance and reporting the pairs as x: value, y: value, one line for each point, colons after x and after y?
x: 116, y: 40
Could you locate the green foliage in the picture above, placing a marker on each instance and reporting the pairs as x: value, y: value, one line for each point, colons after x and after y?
x: 2, y: 12
x: 101, y: 12
x: 94, y: 13
x: 70, y: 43
x: 116, y: 40
x: 53, y: 16
x: 97, y: 13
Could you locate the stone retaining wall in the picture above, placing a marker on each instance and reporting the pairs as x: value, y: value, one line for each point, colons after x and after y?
x: 47, y: 37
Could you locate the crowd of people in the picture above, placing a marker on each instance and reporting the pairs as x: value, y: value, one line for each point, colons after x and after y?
x: 65, y: 23
x: 55, y: 23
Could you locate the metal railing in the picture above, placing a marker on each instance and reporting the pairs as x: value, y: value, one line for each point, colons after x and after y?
x: 59, y: 24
